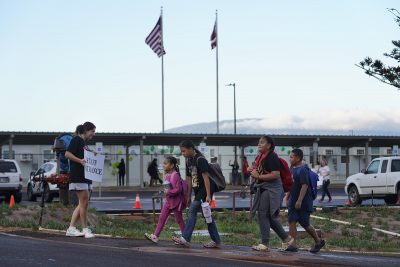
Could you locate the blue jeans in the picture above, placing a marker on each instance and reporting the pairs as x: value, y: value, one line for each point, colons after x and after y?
x: 191, y: 223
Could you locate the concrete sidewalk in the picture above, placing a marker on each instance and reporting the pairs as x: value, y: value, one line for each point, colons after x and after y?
x: 236, y: 253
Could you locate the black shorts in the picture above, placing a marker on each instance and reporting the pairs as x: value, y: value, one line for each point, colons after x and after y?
x: 300, y: 216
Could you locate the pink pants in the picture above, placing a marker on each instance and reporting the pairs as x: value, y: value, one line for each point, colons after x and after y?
x: 165, y: 212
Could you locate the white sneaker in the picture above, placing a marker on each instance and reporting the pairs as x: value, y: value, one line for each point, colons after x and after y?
x: 87, y: 233
x: 72, y: 231
x: 151, y: 237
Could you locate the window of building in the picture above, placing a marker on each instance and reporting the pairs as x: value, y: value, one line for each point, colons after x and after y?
x: 48, y: 155
x: 374, y: 150
x: 6, y: 154
x: 212, y: 152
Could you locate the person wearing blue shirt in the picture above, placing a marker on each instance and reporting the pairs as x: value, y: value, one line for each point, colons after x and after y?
x: 300, y: 203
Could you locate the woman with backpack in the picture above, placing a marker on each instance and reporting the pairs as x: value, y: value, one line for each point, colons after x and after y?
x: 268, y: 190
x: 197, y: 176
x: 175, y: 198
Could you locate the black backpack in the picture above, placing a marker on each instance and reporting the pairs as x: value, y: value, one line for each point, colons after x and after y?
x: 216, y: 175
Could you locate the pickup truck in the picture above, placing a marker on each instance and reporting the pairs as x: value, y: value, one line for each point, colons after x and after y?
x: 381, y: 180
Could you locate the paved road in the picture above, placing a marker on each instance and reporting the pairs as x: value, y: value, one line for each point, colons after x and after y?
x: 18, y: 251
x: 115, y: 201
x: 122, y: 202
x: 23, y: 248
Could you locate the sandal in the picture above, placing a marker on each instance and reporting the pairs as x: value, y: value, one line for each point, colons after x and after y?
x: 285, y: 245
x: 291, y: 248
x: 151, y: 238
x: 211, y: 244
x: 260, y: 247
x: 180, y: 241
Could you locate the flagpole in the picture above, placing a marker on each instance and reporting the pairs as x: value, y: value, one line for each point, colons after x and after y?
x: 216, y: 23
x: 162, y: 72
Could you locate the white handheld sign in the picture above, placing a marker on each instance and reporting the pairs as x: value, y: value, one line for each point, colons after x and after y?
x: 94, y: 166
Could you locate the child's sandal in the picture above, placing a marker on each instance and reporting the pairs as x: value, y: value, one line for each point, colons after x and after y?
x: 211, y: 244
x: 151, y: 237
x: 180, y: 241
x: 261, y: 247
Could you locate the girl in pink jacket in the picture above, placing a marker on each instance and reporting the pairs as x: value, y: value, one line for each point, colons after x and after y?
x: 175, y: 199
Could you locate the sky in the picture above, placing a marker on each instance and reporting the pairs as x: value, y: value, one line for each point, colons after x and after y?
x: 66, y: 62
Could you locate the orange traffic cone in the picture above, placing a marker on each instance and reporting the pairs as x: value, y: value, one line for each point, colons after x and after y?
x: 12, y: 201
x: 137, y: 202
x: 213, y: 203
x: 348, y: 203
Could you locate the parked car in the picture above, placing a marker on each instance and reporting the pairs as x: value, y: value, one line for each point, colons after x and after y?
x: 50, y: 190
x: 10, y: 180
x: 380, y: 180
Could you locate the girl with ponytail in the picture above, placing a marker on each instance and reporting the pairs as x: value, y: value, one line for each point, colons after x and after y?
x: 174, y: 190
x: 197, y: 177
x: 77, y: 182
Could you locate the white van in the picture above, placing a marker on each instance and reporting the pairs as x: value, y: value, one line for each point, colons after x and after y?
x: 380, y: 180
x: 10, y: 180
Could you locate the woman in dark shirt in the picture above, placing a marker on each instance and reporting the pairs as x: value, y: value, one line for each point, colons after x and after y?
x: 75, y: 153
x: 268, y: 193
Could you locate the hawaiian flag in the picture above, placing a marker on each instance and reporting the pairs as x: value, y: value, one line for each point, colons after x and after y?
x: 213, y: 37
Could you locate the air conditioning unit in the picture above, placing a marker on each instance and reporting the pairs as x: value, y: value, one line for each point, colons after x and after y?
x: 327, y: 152
x: 360, y: 152
x: 357, y: 151
x: 26, y: 157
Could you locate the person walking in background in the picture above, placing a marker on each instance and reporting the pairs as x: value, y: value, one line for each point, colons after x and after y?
x: 324, y: 173
x: 75, y: 154
x: 152, y: 170
x: 197, y: 169
x: 121, y: 173
x: 175, y: 198
x: 235, y: 172
x: 300, y: 203
x: 268, y: 191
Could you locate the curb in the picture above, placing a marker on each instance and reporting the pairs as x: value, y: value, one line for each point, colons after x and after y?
x: 232, y: 247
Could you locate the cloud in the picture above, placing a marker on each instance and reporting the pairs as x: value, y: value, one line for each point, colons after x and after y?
x: 362, y: 121
x: 357, y: 119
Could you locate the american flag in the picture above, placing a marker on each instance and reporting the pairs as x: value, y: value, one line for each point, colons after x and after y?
x: 213, y: 37
x: 155, y: 39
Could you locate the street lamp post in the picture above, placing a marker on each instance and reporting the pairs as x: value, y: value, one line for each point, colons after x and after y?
x: 234, y: 124
x: 234, y: 106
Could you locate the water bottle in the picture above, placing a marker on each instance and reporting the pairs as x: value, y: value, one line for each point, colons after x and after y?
x: 206, y: 211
